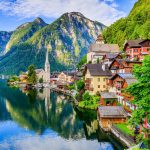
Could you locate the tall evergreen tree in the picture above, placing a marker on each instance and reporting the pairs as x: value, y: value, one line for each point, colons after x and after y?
x: 32, y: 77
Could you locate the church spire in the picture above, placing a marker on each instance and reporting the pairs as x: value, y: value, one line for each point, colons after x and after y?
x: 47, y: 61
x: 47, y: 68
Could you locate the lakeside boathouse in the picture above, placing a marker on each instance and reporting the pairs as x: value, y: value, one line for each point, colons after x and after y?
x: 108, y: 115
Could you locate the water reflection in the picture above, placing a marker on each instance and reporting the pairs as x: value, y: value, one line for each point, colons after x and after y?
x: 47, y: 120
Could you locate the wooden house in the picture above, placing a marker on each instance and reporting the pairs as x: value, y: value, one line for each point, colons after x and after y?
x: 120, y: 81
x: 108, y: 99
x: 108, y: 115
x: 108, y: 58
x: 137, y: 49
x: 123, y: 66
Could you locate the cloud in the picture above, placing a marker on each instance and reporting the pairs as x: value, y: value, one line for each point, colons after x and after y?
x: 94, y: 9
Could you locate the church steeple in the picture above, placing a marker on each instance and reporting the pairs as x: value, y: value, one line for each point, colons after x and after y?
x: 47, y: 68
x: 100, y: 39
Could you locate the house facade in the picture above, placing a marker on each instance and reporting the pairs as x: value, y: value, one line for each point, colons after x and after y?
x: 108, y: 115
x: 108, y: 99
x: 99, y: 49
x: 123, y: 66
x: 119, y: 82
x: 65, y: 77
x: 137, y: 49
x: 96, y: 76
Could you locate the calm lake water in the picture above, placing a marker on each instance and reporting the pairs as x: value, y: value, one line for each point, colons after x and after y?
x: 44, y: 120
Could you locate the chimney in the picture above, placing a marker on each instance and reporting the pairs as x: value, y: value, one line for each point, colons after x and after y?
x: 103, y: 67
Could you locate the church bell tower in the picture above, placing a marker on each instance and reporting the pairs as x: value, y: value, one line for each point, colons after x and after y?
x: 47, y: 69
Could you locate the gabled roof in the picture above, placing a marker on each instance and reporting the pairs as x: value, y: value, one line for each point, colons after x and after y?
x: 134, y: 43
x: 128, y: 77
x: 112, y: 112
x: 111, y: 56
x: 39, y: 70
x: 108, y: 95
x: 121, y: 62
x: 104, y: 48
x: 97, y: 70
x: 130, y: 81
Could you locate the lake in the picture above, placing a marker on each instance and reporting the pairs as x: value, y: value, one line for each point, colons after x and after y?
x: 45, y: 120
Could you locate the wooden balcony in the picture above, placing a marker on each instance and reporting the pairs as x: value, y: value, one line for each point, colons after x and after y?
x: 89, y: 88
x: 88, y: 81
x: 127, y: 96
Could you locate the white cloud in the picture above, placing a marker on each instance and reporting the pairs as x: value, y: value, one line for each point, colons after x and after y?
x: 93, y: 9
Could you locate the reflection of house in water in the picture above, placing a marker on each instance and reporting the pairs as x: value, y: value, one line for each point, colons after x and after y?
x: 91, y: 129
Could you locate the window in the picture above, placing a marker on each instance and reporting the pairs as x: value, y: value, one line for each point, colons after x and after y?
x: 148, y: 49
x: 135, y: 50
x: 98, y: 79
x: 103, y: 79
x: 98, y: 86
x: 103, y: 86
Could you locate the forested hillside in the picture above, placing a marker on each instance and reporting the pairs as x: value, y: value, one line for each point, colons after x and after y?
x: 135, y: 25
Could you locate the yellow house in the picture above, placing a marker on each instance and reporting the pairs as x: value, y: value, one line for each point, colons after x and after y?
x: 23, y: 78
x: 96, y: 76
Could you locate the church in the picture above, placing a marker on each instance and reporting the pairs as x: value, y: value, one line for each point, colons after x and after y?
x: 44, y: 73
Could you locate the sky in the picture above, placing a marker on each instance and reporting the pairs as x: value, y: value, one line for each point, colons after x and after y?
x: 13, y: 13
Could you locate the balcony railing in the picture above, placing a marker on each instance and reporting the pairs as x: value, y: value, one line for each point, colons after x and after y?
x: 87, y: 81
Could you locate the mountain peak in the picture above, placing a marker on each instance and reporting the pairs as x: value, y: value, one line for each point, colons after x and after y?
x: 71, y: 14
x: 39, y: 21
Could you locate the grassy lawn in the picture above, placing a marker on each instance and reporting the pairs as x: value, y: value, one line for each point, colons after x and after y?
x: 124, y: 128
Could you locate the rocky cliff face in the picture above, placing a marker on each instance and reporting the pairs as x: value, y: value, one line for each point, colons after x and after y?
x: 4, y: 38
x: 68, y: 39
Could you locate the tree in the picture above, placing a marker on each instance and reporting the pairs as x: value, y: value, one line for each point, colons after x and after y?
x: 82, y: 62
x: 141, y: 92
x: 80, y: 85
x: 41, y: 80
x: 32, y: 77
x: 86, y: 96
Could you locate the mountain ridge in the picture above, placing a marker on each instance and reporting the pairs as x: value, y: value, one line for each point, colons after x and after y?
x: 67, y: 38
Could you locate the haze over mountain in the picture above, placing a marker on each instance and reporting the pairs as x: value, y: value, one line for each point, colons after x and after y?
x: 68, y: 39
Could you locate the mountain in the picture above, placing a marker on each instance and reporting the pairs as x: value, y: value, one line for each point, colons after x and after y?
x: 68, y: 39
x: 135, y: 25
x: 24, y: 32
x: 4, y: 38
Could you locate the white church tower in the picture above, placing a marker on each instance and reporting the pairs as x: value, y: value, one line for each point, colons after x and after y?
x: 47, y: 69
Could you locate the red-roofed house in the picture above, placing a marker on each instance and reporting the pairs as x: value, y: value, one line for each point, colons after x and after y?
x: 137, y: 49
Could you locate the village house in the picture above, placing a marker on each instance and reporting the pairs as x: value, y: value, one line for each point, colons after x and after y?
x: 23, y: 78
x: 108, y: 58
x: 66, y: 77
x: 96, y: 76
x: 137, y: 49
x: 109, y: 115
x: 117, y: 83
x: 99, y: 49
x: 123, y: 66
x: 108, y: 99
